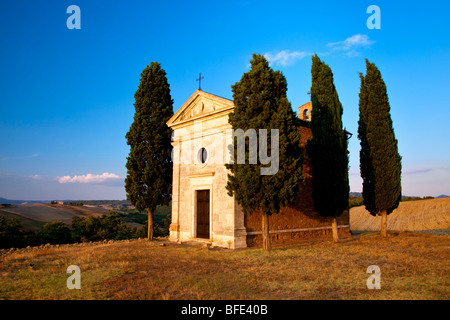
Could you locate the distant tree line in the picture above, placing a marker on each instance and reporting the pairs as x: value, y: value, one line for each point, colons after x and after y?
x: 416, y: 198
x: 112, y: 226
x: 356, y: 201
x: 73, y: 203
x: 69, y: 203
x: 112, y: 203
x: 119, y: 204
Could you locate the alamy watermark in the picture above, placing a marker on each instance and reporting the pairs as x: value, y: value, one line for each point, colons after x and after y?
x: 374, y: 281
x: 74, y: 281
x: 74, y: 20
x: 374, y: 21
x: 214, y: 146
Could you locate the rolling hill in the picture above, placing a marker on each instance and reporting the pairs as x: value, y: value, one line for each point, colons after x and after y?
x: 33, y: 216
x: 433, y: 214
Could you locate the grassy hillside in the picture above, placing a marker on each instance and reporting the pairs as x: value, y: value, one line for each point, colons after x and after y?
x: 430, y: 214
x: 413, y: 266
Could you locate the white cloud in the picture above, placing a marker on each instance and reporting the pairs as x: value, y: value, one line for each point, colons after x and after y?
x: 285, y: 57
x: 36, y: 177
x: 88, y: 178
x: 349, y: 47
x: 350, y: 44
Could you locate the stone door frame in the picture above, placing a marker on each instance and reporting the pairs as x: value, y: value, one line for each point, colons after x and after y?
x: 194, y: 190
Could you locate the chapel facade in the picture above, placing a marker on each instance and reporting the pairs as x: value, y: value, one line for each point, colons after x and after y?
x: 202, y: 210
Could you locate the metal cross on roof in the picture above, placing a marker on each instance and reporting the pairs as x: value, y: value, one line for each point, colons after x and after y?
x: 200, y: 81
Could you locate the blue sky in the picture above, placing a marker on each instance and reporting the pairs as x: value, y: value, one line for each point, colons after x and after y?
x: 66, y: 96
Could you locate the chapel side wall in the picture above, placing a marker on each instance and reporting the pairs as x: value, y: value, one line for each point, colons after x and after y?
x: 302, y: 214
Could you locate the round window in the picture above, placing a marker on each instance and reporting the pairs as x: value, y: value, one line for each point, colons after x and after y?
x: 202, y: 155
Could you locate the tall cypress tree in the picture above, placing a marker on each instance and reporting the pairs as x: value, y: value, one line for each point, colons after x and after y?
x: 261, y: 103
x: 380, y: 162
x: 328, y: 146
x: 149, y: 164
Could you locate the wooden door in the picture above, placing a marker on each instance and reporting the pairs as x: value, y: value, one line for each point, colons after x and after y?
x: 203, y: 214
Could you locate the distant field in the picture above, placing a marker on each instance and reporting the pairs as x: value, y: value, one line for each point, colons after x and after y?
x: 39, y: 214
x: 27, y: 224
x: 433, y: 214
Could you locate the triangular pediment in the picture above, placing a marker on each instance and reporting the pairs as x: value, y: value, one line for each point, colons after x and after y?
x: 201, y: 104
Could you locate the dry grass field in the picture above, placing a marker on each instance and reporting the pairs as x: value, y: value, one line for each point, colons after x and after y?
x: 413, y: 266
x: 433, y: 214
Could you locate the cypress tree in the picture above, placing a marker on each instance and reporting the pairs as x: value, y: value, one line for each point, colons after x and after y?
x: 328, y: 146
x: 261, y: 103
x: 380, y: 162
x: 149, y: 164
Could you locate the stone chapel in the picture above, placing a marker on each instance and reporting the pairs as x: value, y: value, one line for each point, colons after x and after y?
x: 202, y: 211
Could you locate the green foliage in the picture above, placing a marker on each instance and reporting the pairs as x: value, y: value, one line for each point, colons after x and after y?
x: 132, y: 215
x: 112, y: 226
x: 149, y: 165
x: 106, y: 227
x: 328, y: 146
x: 261, y: 103
x: 13, y: 235
x: 55, y: 232
x: 161, y: 223
x: 355, y: 202
x: 74, y: 203
x: 10, y: 232
x: 141, y: 232
x: 380, y: 162
x: 160, y: 227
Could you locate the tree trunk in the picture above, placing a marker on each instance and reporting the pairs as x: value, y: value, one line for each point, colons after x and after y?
x: 383, y: 231
x: 150, y: 225
x: 265, y: 232
x: 334, y: 229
